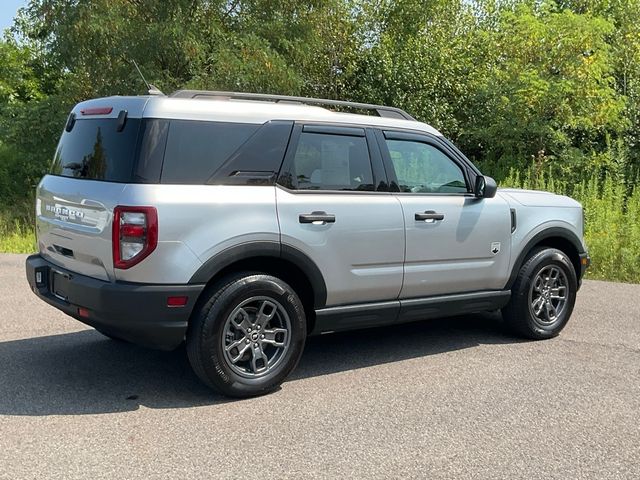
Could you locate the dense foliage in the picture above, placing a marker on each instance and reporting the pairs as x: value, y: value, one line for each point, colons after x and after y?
x: 550, y: 89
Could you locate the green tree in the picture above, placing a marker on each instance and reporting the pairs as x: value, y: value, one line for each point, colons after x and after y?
x: 237, y: 45
x: 549, y: 88
x: 29, y: 124
x: 423, y: 58
x: 625, y: 47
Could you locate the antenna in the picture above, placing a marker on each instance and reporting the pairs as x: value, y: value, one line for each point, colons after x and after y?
x: 152, y: 89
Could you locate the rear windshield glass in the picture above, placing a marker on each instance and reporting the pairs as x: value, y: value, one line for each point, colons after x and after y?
x: 95, y: 150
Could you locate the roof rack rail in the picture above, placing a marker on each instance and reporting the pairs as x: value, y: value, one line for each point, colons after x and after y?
x: 381, y: 110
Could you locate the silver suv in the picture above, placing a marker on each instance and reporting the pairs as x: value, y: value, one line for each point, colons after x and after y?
x: 242, y: 223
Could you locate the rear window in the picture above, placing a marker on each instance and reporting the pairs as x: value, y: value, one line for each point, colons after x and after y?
x: 95, y: 150
x: 332, y: 162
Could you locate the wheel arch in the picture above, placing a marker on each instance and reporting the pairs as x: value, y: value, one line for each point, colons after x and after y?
x: 280, y: 260
x: 556, y: 237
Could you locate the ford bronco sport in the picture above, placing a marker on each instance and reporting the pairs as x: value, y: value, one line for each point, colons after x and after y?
x: 242, y: 223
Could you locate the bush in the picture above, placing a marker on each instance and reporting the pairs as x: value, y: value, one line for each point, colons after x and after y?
x: 16, y: 236
x: 612, y: 218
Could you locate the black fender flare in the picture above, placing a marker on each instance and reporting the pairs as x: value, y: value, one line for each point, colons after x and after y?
x: 243, y: 251
x: 552, y: 232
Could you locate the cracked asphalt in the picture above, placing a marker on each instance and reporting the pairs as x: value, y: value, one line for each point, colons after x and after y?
x: 449, y: 398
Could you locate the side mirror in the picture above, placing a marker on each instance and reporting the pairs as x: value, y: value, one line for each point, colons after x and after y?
x: 485, y: 187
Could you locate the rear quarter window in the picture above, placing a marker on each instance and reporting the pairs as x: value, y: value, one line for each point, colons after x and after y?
x: 196, y: 149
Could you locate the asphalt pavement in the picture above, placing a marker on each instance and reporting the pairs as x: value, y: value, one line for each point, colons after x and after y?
x: 447, y: 398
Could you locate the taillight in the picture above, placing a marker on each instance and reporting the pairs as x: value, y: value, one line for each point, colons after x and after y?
x: 135, y: 235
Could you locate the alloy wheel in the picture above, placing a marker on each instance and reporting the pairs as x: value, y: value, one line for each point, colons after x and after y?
x: 256, y: 336
x: 548, y: 294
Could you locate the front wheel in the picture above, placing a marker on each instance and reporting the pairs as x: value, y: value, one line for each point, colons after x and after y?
x: 543, y: 295
x: 249, y: 335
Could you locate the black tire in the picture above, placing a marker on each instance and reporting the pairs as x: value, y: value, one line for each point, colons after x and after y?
x: 206, y: 337
x: 520, y: 315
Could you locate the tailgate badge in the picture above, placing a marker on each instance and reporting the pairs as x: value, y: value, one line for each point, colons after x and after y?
x: 64, y: 213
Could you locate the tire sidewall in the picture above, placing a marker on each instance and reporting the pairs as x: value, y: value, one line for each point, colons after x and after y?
x: 540, y: 260
x: 216, y: 367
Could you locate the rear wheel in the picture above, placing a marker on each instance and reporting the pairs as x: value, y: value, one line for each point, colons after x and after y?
x: 248, y: 336
x: 543, y: 295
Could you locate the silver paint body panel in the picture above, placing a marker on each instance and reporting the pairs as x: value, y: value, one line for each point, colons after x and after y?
x: 360, y: 256
x: 88, y: 236
x: 454, y: 254
x: 375, y: 251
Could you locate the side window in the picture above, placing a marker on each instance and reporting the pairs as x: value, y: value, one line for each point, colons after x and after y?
x: 196, y: 149
x: 325, y: 161
x: 422, y: 168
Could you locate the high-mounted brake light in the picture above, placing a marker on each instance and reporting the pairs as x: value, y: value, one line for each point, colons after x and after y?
x: 97, y: 111
x: 134, y: 235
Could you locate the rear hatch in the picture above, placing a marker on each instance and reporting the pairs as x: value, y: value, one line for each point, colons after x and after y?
x: 94, y: 160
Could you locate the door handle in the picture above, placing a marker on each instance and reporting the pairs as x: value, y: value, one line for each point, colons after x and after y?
x: 319, y: 217
x: 430, y: 216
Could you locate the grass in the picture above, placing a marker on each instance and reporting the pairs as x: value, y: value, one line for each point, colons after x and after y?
x: 612, y: 219
x: 612, y: 229
x: 16, y: 237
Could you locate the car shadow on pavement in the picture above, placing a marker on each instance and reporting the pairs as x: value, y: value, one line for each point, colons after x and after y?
x: 85, y: 373
x: 338, y: 352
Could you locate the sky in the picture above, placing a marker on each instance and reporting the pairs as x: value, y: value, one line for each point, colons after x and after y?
x: 8, y: 9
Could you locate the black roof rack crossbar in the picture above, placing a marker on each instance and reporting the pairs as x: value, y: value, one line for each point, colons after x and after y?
x: 388, y: 112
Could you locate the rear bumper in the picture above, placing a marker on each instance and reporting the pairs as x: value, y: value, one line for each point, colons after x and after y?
x: 132, y: 311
